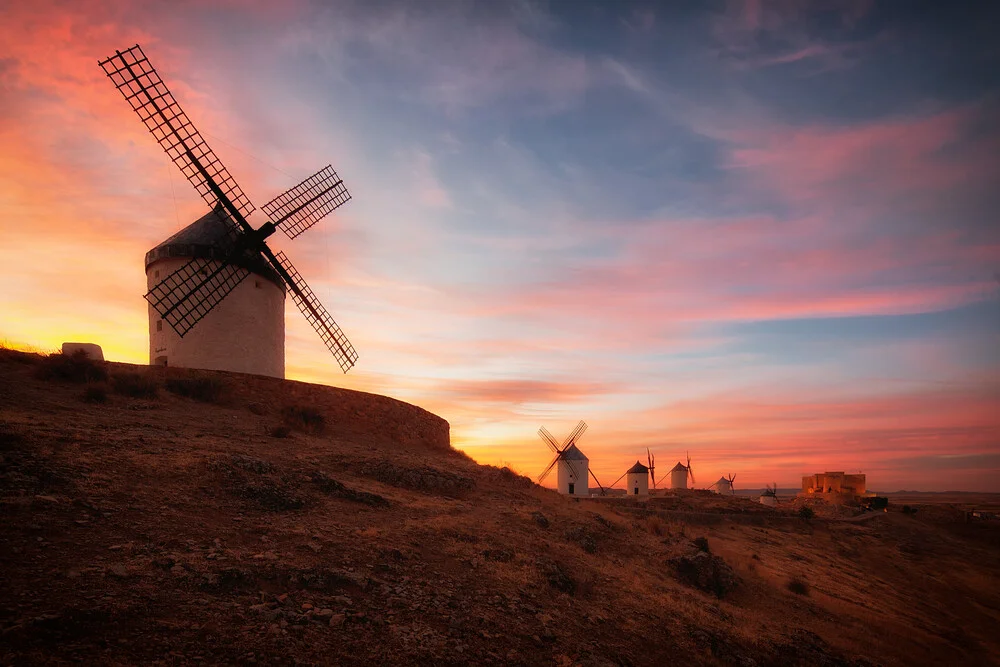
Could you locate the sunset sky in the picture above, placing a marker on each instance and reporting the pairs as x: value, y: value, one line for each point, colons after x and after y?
x: 766, y: 233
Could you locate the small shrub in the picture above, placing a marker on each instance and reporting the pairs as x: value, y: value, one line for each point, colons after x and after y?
x: 135, y: 385
x: 257, y: 409
x: 335, y: 488
x: 798, y: 586
x: 909, y: 510
x: 76, y: 367
x: 540, y: 519
x: 95, y: 393
x: 583, y: 537
x: 702, y: 544
x: 9, y: 438
x: 656, y: 526
x: 207, y: 389
x: 306, y: 419
x: 557, y: 576
x: 806, y: 513
x: 280, y: 431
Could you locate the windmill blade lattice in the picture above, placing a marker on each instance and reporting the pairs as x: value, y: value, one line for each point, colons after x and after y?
x: 575, y: 435
x: 548, y: 439
x: 318, y: 316
x: 301, y: 207
x: 138, y: 81
x: 188, y: 294
x: 545, y: 473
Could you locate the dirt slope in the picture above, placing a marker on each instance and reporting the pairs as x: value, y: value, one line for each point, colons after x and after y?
x: 228, y: 519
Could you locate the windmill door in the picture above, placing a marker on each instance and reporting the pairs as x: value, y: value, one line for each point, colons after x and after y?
x: 571, y: 488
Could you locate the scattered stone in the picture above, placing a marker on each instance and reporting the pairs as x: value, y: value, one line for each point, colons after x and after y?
x: 118, y: 571
x: 540, y: 519
x: 705, y: 572
x: 557, y: 576
x: 337, y: 620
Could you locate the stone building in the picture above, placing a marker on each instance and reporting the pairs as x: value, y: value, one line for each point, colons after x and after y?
x: 833, y: 486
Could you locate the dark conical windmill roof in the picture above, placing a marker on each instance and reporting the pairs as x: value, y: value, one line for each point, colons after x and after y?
x: 637, y: 468
x: 210, y: 237
x: 679, y: 466
x: 571, y: 453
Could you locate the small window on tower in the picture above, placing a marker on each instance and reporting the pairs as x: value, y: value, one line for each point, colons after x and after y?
x: 256, y: 284
x: 156, y: 274
x: 159, y: 325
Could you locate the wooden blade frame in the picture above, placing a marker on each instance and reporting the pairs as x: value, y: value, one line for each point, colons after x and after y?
x: 575, y: 435
x: 318, y: 316
x: 188, y: 294
x: 301, y: 207
x: 545, y: 473
x: 548, y: 439
x: 144, y: 90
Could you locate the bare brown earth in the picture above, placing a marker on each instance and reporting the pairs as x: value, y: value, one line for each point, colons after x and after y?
x: 174, y: 528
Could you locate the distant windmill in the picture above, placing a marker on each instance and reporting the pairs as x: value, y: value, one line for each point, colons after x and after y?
x: 725, y: 485
x: 572, y: 466
x: 225, y: 259
x: 679, y: 474
x: 770, y: 495
x: 636, y: 480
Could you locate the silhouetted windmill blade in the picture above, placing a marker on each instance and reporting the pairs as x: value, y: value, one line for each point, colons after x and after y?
x: 599, y: 485
x: 318, y: 316
x: 613, y: 484
x: 133, y: 75
x: 545, y: 473
x: 548, y: 439
x: 652, y: 468
x: 573, y: 470
x: 188, y: 294
x: 301, y: 207
x: 575, y: 435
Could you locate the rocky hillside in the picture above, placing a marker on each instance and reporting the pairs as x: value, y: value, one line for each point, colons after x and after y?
x: 167, y: 516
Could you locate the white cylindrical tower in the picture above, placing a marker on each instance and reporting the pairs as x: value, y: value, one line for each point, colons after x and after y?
x: 679, y: 476
x: 637, y: 480
x: 572, y: 472
x: 245, y: 333
x: 723, y: 486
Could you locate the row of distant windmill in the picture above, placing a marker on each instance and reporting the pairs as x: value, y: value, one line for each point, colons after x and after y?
x: 573, y: 470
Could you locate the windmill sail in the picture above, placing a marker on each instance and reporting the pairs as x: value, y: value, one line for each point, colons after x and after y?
x: 133, y: 75
x: 548, y: 439
x: 301, y: 207
x: 318, y: 316
x: 188, y: 294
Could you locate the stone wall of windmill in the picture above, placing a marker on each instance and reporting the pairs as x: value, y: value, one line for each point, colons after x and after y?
x: 245, y: 333
x: 637, y: 480
x: 573, y: 473
x: 679, y: 476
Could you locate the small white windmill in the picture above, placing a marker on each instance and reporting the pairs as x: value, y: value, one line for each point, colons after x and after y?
x: 680, y: 474
x: 725, y: 485
x: 573, y: 466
